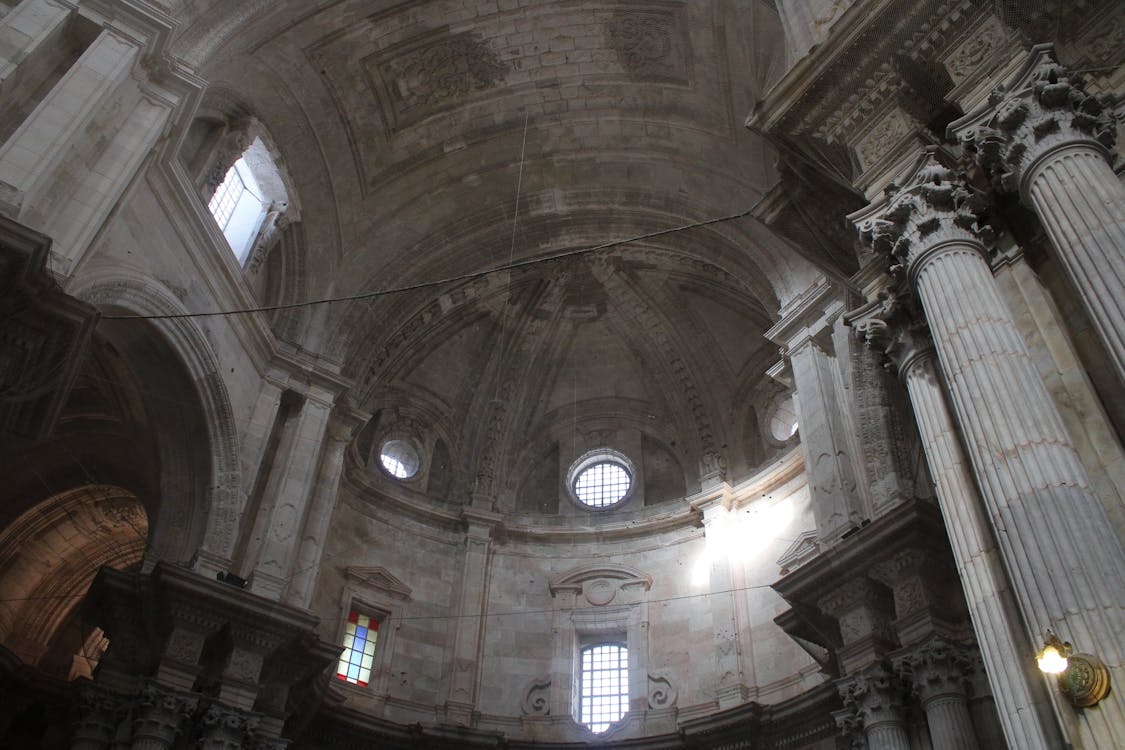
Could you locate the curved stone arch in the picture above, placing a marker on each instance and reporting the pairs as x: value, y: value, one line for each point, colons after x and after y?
x: 136, y: 295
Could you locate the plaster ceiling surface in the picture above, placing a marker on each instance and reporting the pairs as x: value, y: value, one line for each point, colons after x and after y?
x: 431, y: 139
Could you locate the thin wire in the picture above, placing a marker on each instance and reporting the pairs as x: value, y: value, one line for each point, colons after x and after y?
x: 446, y: 280
x: 511, y: 613
x: 511, y: 257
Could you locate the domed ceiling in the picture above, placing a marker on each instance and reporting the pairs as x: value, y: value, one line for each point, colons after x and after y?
x: 434, y: 140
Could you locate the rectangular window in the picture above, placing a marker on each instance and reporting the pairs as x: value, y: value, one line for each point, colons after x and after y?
x: 359, y: 649
x: 226, y: 198
x: 604, y: 696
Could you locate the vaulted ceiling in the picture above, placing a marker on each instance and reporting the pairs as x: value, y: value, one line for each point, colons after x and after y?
x: 428, y: 140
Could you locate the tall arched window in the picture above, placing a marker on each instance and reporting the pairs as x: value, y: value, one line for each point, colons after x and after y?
x: 604, y: 685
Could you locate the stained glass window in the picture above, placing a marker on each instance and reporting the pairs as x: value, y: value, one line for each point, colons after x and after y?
x: 359, y: 649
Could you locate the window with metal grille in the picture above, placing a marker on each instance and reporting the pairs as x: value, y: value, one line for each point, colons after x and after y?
x: 359, y: 649
x: 226, y: 198
x: 602, y: 484
x: 604, y: 685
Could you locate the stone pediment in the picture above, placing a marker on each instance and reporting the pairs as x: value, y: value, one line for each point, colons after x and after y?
x: 803, y: 549
x: 600, y: 583
x: 378, y: 578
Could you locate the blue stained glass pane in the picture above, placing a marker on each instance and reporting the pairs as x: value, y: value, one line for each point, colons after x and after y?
x: 361, y: 632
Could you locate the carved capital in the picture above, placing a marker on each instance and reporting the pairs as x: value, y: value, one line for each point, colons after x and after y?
x: 1044, y: 107
x: 935, y: 669
x: 99, y: 713
x: 160, y: 713
x: 893, y: 325
x: 226, y: 728
x: 863, y: 610
x: 873, y: 697
x: 931, y: 208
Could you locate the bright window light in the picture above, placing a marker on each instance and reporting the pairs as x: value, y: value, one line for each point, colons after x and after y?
x: 602, y: 484
x: 359, y: 649
x: 604, y: 697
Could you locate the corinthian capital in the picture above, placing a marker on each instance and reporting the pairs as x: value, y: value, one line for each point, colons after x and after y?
x: 937, y: 668
x: 875, y: 696
x: 932, y: 206
x: 1042, y: 108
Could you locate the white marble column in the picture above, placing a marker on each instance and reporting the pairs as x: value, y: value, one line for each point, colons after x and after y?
x: 1020, y: 699
x: 32, y: 155
x: 1049, y: 140
x: 1058, y: 547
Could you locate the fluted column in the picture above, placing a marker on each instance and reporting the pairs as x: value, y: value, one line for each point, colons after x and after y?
x: 158, y: 716
x: 1057, y: 544
x: 1025, y: 717
x: 937, y: 671
x: 1045, y: 137
x: 874, y: 701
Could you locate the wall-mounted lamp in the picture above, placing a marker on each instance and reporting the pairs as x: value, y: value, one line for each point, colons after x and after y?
x: 1083, y: 678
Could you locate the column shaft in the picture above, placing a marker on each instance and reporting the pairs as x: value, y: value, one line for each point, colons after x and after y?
x: 1057, y: 543
x: 887, y: 736
x: 1004, y: 648
x: 1082, y: 206
x: 951, y: 728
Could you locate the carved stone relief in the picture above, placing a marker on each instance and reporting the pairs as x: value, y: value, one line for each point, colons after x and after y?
x: 422, y: 76
x: 661, y: 692
x: 537, y: 697
x: 649, y: 44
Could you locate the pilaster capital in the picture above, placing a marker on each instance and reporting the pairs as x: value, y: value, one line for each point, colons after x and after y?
x: 938, y: 668
x: 1043, y: 108
x: 934, y: 207
x: 874, y: 696
x: 160, y: 713
x: 893, y: 325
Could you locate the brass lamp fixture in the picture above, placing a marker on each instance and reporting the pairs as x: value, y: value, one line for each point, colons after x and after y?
x: 1082, y: 678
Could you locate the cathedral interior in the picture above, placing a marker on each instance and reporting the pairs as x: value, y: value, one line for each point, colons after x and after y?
x: 670, y: 374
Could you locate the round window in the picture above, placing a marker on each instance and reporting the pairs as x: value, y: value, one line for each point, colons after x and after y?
x: 601, y: 479
x: 399, y: 459
x: 783, y: 421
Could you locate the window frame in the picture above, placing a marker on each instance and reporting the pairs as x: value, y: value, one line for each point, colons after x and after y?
x: 373, y: 591
x: 592, y: 458
x: 376, y: 647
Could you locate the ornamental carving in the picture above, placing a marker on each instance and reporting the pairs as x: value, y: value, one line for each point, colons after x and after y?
x: 1045, y: 106
x: 874, y: 696
x: 536, y: 697
x: 938, y: 668
x: 971, y: 55
x: 884, y: 137
x: 661, y: 693
x: 648, y: 44
x: 933, y: 206
x: 422, y: 77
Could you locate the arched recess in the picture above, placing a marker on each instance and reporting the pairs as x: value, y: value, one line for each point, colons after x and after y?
x: 48, y: 557
x: 200, y: 504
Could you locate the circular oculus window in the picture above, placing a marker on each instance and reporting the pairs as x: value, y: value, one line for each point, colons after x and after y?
x: 601, y: 479
x: 399, y: 459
